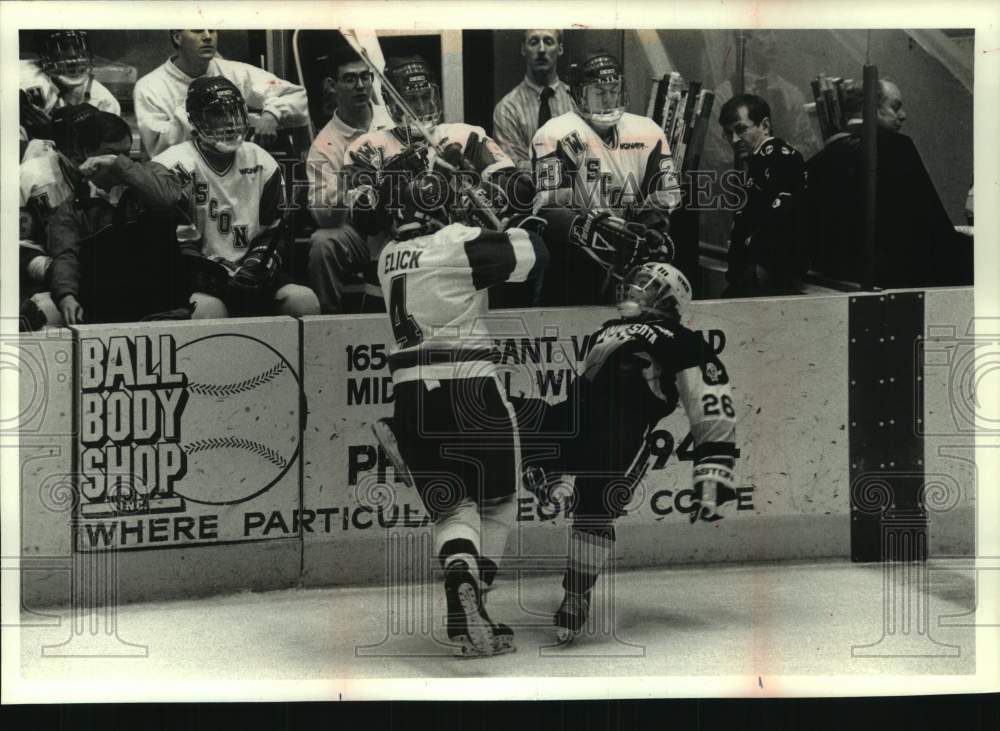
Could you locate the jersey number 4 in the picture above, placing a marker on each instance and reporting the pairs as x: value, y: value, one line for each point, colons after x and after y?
x: 404, y: 327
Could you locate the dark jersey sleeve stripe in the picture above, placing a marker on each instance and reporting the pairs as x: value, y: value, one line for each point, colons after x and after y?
x: 652, y: 176
x: 270, y: 199
x: 491, y: 257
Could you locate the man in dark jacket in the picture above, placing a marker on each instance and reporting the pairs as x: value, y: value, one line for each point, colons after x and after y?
x: 916, y: 243
x: 113, y: 245
x: 765, y: 245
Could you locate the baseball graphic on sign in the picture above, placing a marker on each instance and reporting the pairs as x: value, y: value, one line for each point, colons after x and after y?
x: 240, y: 429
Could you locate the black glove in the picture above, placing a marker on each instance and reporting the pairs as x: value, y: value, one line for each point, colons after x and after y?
x: 411, y: 160
x: 660, y: 246
x: 612, y: 242
x: 35, y: 121
x: 451, y: 158
x: 482, y: 205
x: 256, y: 272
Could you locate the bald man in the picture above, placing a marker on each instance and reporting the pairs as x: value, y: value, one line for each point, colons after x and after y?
x: 916, y: 242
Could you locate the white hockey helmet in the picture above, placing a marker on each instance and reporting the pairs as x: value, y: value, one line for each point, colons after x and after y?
x: 655, y: 289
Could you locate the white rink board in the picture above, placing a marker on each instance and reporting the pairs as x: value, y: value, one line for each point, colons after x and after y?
x: 786, y: 359
x: 211, y: 410
x: 952, y: 351
x: 344, y: 519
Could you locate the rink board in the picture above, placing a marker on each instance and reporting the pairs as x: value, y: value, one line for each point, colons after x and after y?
x: 786, y: 360
x: 184, y: 437
x: 951, y: 352
x: 297, y: 491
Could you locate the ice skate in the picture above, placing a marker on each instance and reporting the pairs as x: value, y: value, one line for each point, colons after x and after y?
x: 571, y: 616
x: 468, y: 623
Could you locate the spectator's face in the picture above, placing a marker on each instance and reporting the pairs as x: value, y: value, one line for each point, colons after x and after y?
x: 353, y: 85
x: 744, y: 134
x: 890, y: 111
x: 196, y: 46
x: 541, y: 50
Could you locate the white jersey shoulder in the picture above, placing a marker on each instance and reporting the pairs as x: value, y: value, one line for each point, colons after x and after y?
x: 227, y: 203
x: 43, y: 185
x: 45, y: 95
x: 436, y: 285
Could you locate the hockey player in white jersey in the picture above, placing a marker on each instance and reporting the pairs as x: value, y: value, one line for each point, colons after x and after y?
x: 414, y: 80
x: 234, y: 193
x: 637, y: 370
x: 610, y: 169
x: 62, y: 75
x: 453, y: 434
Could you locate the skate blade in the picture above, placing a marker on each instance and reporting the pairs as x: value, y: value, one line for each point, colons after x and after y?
x: 481, y: 640
x: 480, y: 633
x: 565, y: 636
x: 502, y: 646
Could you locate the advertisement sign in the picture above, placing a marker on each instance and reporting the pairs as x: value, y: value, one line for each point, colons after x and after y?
x: 186, y: 433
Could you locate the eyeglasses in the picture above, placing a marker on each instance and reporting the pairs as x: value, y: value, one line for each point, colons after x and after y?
x: 351, y: 78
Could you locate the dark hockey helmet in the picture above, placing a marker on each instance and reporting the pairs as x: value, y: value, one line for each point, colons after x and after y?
x: 598, y: 87
x: 81, y: 130
x: 217, y: 113
x: 66, y: 55
x: 412, y: 77
x: 654, y: 289
x: 423, y: 205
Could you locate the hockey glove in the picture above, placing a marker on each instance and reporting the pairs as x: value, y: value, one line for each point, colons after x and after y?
x: 257, y: 270
x: 658, y: 241
x: 713, y: 486
x: 35, y: 121
x: 482, y: 205
x: 412, y: 160
x: 451, y: 159
x: 612, y: 242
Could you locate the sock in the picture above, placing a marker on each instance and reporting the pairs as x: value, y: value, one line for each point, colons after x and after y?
x: 456, y: 533
x: 588, y: 552
x: 497, y: 520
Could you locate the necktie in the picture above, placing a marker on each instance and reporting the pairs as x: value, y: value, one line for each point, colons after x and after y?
x: 544, y: 111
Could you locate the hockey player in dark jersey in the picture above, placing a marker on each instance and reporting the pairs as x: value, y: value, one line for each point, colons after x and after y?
x: 637, y: 370
x: 453, y: 434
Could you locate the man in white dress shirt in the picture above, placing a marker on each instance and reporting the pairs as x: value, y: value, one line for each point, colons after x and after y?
x: 338, y: 251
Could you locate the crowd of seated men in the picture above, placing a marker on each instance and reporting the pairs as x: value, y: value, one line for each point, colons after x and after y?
x: 210, y: 217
